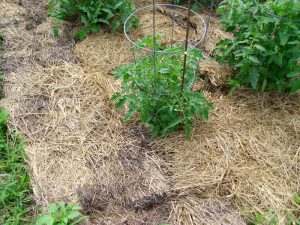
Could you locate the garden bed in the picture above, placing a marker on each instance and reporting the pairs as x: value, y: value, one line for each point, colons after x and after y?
x: 244, y: 159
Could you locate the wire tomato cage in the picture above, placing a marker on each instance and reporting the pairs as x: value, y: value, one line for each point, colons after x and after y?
x: 183, y: 27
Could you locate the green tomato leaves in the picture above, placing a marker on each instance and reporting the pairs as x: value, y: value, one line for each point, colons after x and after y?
x: 265, y: 50
x: 92, y: 14
x: 158, y: 98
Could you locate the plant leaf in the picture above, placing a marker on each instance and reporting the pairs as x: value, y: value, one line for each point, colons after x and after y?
x: 45, y: 220
x: 254, y: 76
x: 293, y: 74
x: 254, y: 59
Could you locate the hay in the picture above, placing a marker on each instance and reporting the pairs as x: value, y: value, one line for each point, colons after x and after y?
x: 215, y: 32
x: 246, y: 158
x: 164, y: 25
x: 78, y: 141
x: 22, y: 47
x: 11, y: 13
x: 213, y: 72
x: 191, y: 210
x: 248, y: 153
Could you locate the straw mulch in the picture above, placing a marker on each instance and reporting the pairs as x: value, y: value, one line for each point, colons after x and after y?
x: 245, y: 159
x: 247, y: 155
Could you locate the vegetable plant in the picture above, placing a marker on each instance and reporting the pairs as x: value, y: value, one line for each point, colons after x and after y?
x: 162, y: 101
x: 61, y: 214
x: 198, y: 3
x: 92, y: 14
x: 265, y: 50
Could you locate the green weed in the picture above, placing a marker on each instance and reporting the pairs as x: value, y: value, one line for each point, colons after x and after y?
x: 15, y: 190
x: 92, y: 14
x: 61, y: 214
x: 265, y: 51
x: 160, y: 100
x: 292, y: 215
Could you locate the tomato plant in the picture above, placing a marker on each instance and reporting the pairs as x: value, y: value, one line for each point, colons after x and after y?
x: 265, y: 50
x: 92, y: 14
x: 198, y: 3
x: 159, y: 98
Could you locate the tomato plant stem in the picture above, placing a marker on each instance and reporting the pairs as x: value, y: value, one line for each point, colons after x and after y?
x: 186, y: 43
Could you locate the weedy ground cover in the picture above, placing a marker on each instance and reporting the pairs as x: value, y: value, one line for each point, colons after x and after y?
x: 1, y: 55
x: 15, y: 190
x: 265, y: 51
x: 162, y: 100
x: 92, y: 14
x: 292, y: 215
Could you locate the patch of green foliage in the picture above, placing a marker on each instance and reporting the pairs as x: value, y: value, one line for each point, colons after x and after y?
x: 198, y: 3
x: 292, y: 215
x: 265, y: 50
x: 15, y: 190
x: 61, y: 214
x: 1, y: 56
x: 159, y: 99
x: 92, y: 14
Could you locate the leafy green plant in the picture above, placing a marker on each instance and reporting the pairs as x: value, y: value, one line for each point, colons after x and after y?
x: 61, y: 214
x: 265, y: 50
x: 92, y: 14
x: 15, y: 190
x: 198, y: 3
x: 162, y: 102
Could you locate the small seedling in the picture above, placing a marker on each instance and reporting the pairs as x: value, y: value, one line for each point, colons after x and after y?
x: 61, y: 214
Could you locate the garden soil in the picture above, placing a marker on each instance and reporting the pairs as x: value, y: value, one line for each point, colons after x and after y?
x: 244, y: 159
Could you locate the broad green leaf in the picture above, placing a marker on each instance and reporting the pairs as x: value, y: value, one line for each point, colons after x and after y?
x: 76, y: 207
x: 45, y: 220
x: 121, y: 103
x: 295, y: 86
x: 53, y: 207
x: 81, y: 34
x: 261, y: 48
x: 116, y: 25
x: 254, y: 59
x: 164, y: 70
x: 264, y: 85
x: 293, y: 74
x: 72, y: 215
x: 278, y: 59
x: 79, y: 220
x: 172, y: 125
x: 95, y: 28
x: 84, y: 20
x: 254, y: 77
